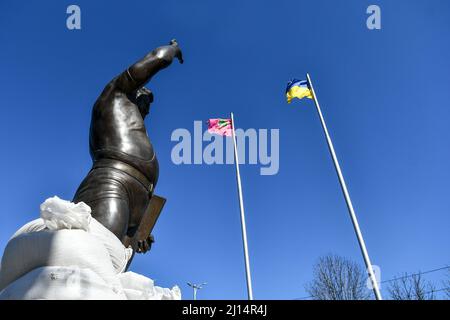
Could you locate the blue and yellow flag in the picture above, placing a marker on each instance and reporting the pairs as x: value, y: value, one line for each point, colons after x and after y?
x: 298, y: 89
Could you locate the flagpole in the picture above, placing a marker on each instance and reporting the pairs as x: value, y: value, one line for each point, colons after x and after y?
x: 241, y: 205
x: 351, y: 211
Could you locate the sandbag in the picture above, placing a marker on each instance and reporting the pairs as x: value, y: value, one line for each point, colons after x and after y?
x: 134, y: 281
x: 132, y: 294
x: 61, y: 283
x: 139, y: 287
x: 62, y: 214
x: 167, y: 294
x: 28, y: 251
x: 119, y: 255
x: 67, y: 254
x: 32, y: 226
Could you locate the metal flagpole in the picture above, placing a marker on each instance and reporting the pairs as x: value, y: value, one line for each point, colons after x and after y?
x: 351, y: 211
x: 241, y: 205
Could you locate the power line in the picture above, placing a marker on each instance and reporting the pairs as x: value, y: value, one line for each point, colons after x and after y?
x: 436, y: 290
x: 415, y: 274
x: 399, y: 278
x: 442, y: 289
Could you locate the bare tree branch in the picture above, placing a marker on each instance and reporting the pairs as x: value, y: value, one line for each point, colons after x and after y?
x: 413, y: 287
x: 447, y: 284
x: 337, y: 278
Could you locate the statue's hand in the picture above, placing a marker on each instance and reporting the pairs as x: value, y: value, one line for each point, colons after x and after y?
x: 145, y: 245
x: 169, y: 52
x: 178, y: 53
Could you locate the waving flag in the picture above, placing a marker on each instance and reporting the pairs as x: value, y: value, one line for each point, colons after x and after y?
x: 220, y: 126
x: 298, y: 89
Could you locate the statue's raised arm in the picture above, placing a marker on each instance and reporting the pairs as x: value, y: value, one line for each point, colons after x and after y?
x: 138, y: 74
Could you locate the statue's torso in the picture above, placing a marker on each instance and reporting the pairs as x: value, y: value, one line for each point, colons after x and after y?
x: 118, y: 132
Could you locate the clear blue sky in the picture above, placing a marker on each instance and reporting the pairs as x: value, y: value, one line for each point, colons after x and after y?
x: 385, y: 95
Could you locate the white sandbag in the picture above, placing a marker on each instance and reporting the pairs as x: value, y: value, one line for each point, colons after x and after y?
x: 78, y: 255
x: 28, y: 251
x: 118, y: 253
x: 132, y: 294
x: 32, y: 226
x: 64, y: 214
x: 139, y: 287
x: 61, y: 214
x: 61, y: 283
x: 136, y: 286
x: 167, y: 294
x: 157, y: 294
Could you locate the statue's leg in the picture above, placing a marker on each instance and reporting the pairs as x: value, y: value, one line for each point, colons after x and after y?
x: 104, y: 190
x: 113, y: 213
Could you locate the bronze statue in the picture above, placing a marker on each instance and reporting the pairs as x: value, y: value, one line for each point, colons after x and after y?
x: 120, y: 186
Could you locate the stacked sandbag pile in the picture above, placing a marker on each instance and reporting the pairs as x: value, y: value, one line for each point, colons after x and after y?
x: 67, y: 254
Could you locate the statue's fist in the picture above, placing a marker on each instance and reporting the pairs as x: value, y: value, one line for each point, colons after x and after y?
x: 145, y: 245
x: 178, y: 53
x: 169, y: 52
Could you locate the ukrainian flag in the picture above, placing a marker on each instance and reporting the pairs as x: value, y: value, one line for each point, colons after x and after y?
x: 298, y: 89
